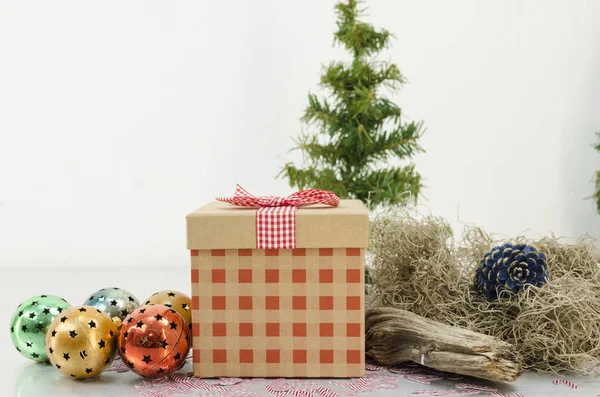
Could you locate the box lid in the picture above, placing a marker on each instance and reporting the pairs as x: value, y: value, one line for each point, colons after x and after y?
x: 224, y: 226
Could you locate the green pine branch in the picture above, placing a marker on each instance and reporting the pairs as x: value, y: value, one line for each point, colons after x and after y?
x: 358, y: 37
x: 356, y: 131
x: 597, y: 194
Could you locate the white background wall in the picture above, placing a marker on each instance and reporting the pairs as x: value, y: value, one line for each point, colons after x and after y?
x: 117, y: 118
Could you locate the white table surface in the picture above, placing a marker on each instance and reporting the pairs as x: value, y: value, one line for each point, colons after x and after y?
x: 24, y: 378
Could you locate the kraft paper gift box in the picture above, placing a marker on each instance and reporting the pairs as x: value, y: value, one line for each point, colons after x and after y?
x: 278, y: 312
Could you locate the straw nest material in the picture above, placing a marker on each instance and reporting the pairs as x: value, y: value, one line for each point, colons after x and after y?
x: 416, y: 265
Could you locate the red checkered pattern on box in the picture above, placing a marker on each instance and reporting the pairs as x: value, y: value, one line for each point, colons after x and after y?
x: 276, y: 217
x: 278, y: 313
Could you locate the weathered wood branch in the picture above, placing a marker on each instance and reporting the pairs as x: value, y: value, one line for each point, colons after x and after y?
x: 395, y: 336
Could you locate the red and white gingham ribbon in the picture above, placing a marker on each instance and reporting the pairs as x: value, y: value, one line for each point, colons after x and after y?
x: 276, y: 216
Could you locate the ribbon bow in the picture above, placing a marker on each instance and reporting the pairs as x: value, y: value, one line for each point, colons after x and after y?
x: 276, y: 216
x: 298, y: 199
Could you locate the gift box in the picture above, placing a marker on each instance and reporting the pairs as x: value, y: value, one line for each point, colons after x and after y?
x: 278, y: 289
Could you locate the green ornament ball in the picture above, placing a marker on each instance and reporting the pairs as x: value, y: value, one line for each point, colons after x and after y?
x: 29, y: 323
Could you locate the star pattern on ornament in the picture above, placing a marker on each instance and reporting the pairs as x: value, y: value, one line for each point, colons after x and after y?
x: 130, y: 320
x: 35, y: 355
x: 54, y: 333
x: 29, y: 343
x: 168, y: 305
x: 164, y: 344
x: 131, y: 298
x: 12, y: 329
x: 88, y: 370
x: 73, y: 376
x: 32, y: 315
x: 123, y: 350
x: 64, y: 300
x: 177, y: 356
x: 46, y: 311
x: 147, y: 359
x: 57, y: 366
x: 171, y: 294
x: 160, y: 371
x: 63, y: 319
x: 142, y: 311
x: 92, y: 324
x: 113, y: 302
x: 43, y: 296
x: 34, y: 303
x: 82, y: 309
x: 82, y: 354
x: 184, y: 306
x: 51, y: 350
x: 98, y: 310
x: 72, y: 334
x: 115, y: 288
x: 20, y: 313
x: 173, y: 325
x: 24, y: 328
x: 125, y: 334
x: 39, y: 326
x: 158, y: 317
x: 139, y: 324
x: 124, y: 312
x: 147, y: 302
x: 19, y: 350
x: 59, y: 309
x: 91, y: 298
x: 102, y: 344
x: 66, y: 356
x: 111, y: 333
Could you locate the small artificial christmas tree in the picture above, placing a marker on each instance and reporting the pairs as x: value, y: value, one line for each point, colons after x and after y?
x: 357, y: 129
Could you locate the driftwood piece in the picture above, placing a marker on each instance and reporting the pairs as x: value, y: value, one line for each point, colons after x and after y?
x: 395, y: 336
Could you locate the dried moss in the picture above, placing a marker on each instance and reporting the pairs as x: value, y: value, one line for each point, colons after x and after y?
x: 416, y: 265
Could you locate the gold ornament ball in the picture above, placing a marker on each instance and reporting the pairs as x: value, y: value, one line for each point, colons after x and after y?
x: 175, y: 300
x: 82, y: 341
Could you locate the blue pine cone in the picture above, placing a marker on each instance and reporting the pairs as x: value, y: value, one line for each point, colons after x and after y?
x: 510, y: 268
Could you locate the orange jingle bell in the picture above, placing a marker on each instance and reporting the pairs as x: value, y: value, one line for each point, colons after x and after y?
x: 154, y: 341
x: 175, y: 300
